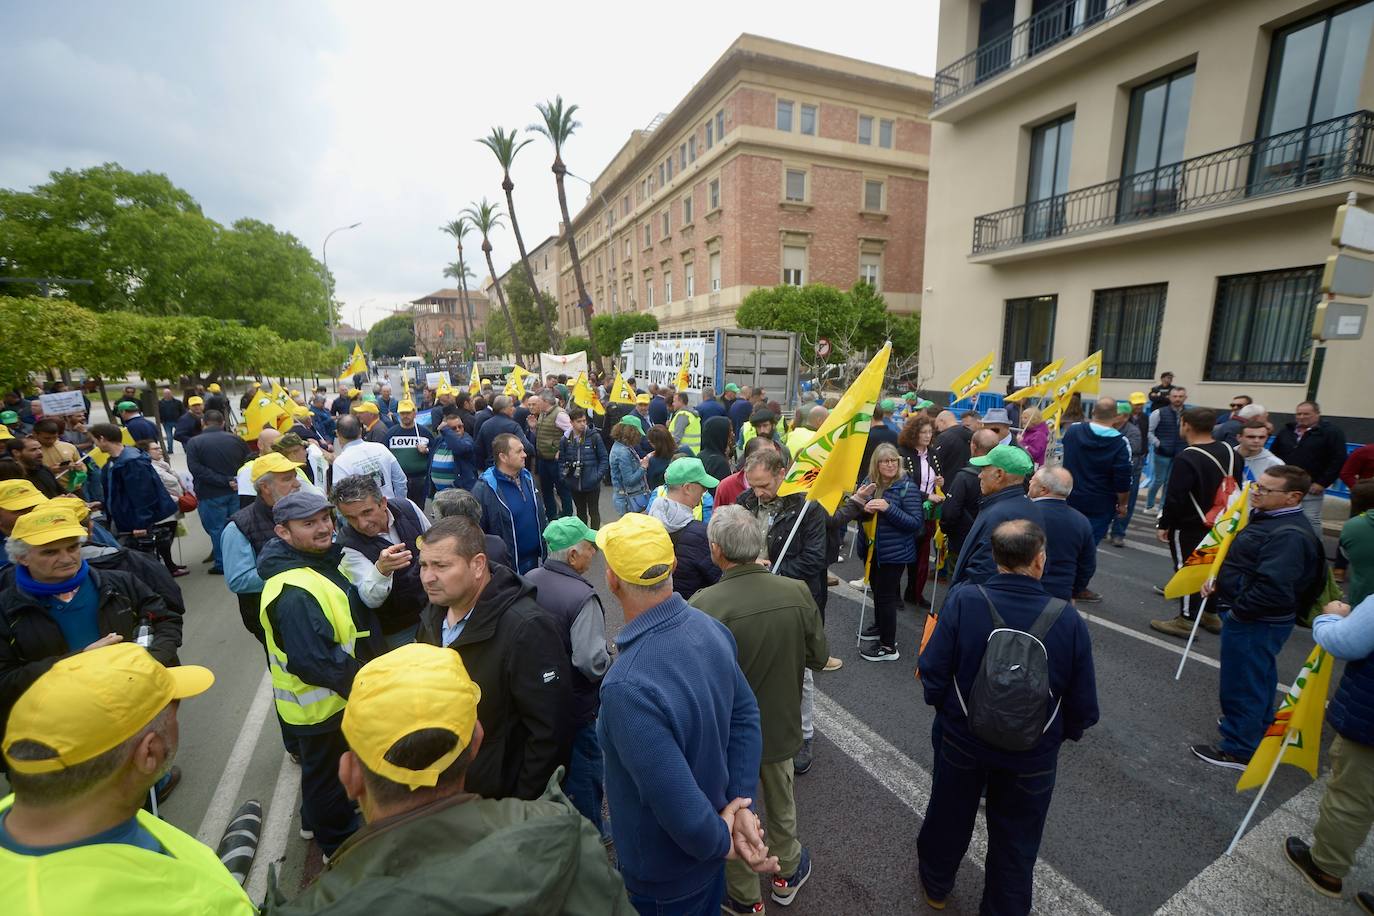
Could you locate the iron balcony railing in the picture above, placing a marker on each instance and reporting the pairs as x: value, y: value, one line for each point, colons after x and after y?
x: 1322, y: 153
x: 1030, y: 37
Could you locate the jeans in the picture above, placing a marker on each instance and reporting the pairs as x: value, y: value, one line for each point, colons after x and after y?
x: 169, y: 428
x: 1312, y: 509
x: 584, y: 781
x: 1122, y: 522
x: 587, y: 504
x: 1100, y: 524
x: 1347, y: 807
x: 886, y: 582
x: 1249, y: 677
x: 780, y: 816
x: 325, y: 807
x: 417, y: 489
x: 214, y: 515
x: 1016, y: 809
x: 704, y: 901
x: 1159, y: 478
x: 554, y: 489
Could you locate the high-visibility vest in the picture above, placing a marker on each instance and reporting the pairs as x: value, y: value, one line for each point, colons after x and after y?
x: 299, y: 703
x: 119, y: 879
x: 691, y: 436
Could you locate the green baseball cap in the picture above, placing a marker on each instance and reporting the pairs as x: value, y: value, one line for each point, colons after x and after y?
x: 125, y: 405
x: 688, y: 470
x: 732, y: 387
x: 1009, y: 458
x: 888, y: 404
x: 910, y: 396
x: 564, y: 532
x: 631, y: 420
x: 9, y: 416
x: 923, y: 403
x: 1123, y: 407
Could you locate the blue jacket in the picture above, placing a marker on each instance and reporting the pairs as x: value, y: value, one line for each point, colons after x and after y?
x: 708, y: 409
x: 512, y: 511
x: 135, y: 497
x: 587, y: 458
x: 1101, y: 468
x: 955, y: 653
x: 386, y: 410
x: 658, y: 410
x: 1274, y: 570
x: 739, y: 414
x: 494, y: 426
x: 1351, y: 710
x: 464, y: 452
x: 898, y: 528
x: 1070, y: 549
x: 324, y: 422
x: 140, y: 427
x: 975, y: 559
x: 680, y: 731
x: 626, y: 474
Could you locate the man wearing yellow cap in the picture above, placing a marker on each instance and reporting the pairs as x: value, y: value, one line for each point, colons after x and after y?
x: 17, y: 497
x: 84, y: 745
x: 413, y: 446
x: 369, y: 415
x: 188, y: 424
x: 674, y: 725
x: 273, y: 477
x: 413, y: 734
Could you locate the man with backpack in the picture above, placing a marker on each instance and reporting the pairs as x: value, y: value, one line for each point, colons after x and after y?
x: 1004, y: 702
x: 1204, y: 477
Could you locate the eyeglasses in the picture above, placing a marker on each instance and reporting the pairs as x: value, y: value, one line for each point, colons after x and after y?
x: 1265, y: 491
x: 1237, y: 406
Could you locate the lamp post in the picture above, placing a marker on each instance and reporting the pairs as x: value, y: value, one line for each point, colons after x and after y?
x: 329, y: 282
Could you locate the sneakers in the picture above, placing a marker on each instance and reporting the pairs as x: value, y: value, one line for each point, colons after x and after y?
x: 1179, y: 626
x: 880, y: 654
x: 857, y: 584
x: 1159, y: 590
x: 802, y: 760
x: 1300, y: 854
x: 307, y: 834
x: 833, y: 664
x: 1217, y: 757
x: 935, y: 903
x: 731, y: 905
x: 1116, y: 540
x: 831, y: 579
x: 785, y: 889
x: 1087, y: 596
x: 870, y: 631
x: 1211, y: 622
x: 181, y: 571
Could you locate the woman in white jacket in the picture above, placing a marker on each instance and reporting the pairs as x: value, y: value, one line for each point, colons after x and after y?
x: 165, y: 531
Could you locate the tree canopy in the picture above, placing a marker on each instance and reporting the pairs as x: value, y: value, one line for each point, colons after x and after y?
x: 852, y: 320
x: 610, y: 330
x: 393, y: 336
x: 534, y: 333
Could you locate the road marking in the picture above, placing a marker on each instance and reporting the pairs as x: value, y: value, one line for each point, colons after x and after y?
x: 276, y: 827
x: 1156, y: 641
x: 1135, y: 545
x: 905, y: 778
x: 225, y: 800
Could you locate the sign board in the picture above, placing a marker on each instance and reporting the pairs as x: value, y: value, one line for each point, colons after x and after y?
x: 432, y: 379
x: 481, y: 349
x: 1339, y: 320
x: 1348, y: 275
x: 570, y: 365
x: 1354, y: 228
x: 62, y: 403
x: 823, y: 347
x: 665, y: 359
x: 1021, y: 374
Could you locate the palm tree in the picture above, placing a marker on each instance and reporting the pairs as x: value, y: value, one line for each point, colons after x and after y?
x: 503, y: 146
x: 486, y: 217
x: 459, y: 271
x: 558, y: 126
x: 459, y: 229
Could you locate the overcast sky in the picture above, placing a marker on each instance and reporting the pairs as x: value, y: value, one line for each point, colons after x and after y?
x: 312, y: 115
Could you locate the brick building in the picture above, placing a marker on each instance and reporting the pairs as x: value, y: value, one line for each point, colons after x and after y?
x: 439, y: 325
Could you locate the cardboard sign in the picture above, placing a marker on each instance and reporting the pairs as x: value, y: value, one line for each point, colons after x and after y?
x: 62, y: 403
x: 665, y: 359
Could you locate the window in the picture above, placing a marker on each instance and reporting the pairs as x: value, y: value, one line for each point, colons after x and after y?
x: 1154, y: 145
x: 885, y: 134
x: 808, y: 120
x: 687, y: 210
x: 995, y: 21
x: 627, y: 248
x: 793, y: 265
x: 1315, y: 71
x: 667, y: 285
x: 613, y: 302
x: 870, y: 270
x: 648, y: 236
x: 625, y: 206
x: 866, y: 130
x: 1261, y: 326
x: 714, y: 262
x: 644, y: 189
x: 873, y: 196
x: 669, y: 166
x: 784, y: 115
x: 1028, y: 331
x: 1048, y: 179
x: 1125, y: 327
x: 648, y: 291
x: 691, y: 148
x: 689, y: 278
x: 710, y: 134
x: 720, y: 125
x: 682, y: 158
x: 713, y: 194
x: 795, y: 189
x: 598, y: 265
x: 663, y: 218
x: 661, y: 181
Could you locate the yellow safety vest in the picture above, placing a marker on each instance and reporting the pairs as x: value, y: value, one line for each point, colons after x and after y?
x: 661, y: 492
x: 299, y: 703
x: 115, y: 879
x: 691, y: 436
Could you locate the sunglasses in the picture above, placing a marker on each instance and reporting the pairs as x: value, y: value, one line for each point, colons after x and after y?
x: 1237, y: 406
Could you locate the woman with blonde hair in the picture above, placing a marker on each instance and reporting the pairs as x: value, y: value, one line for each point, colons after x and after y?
x: 629, y: 488
x: 1035, y: 434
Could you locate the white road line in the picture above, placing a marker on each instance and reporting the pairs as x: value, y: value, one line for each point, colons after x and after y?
x: 904, y: 778
x: 225, y: 800
x: 1156, y: 641
x: 1134, y: 545
x: 276, y: 827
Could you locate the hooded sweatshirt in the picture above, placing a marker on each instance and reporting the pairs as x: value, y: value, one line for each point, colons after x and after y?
x: 1100, y: 461
x: 694, y: 570
x: 715, y: 439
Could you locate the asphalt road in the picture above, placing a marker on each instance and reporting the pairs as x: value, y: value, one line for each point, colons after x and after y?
x: 1137, y: 824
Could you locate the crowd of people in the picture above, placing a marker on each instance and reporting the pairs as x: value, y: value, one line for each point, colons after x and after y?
x: 418, y: 575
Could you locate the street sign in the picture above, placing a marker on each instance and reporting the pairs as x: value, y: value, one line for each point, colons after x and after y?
x: 1339, y: 320
x: 481, y: 349
x: 823, y: 347
x: 1348, y: 275
x: 1021, y: 374
x: 1354, y: 228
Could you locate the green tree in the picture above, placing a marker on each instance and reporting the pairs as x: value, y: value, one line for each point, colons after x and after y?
x: 609, y: 331
x: 486, y: 217
x: 576, y: 344
x: 393, y: 336
x: 265, y: 278
x: 458, y: 230
x: 529, y: 322
x: 55, y: 335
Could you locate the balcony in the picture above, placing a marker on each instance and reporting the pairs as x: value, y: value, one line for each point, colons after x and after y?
x: 1324, y: 153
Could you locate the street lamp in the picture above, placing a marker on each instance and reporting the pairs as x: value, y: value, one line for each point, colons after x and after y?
x: 329, y: 282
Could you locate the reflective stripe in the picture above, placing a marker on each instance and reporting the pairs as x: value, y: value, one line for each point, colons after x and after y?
x: 298, y: 702
x: 316, y: 695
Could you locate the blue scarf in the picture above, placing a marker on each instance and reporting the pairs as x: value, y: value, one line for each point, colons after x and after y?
x: 50, y: 589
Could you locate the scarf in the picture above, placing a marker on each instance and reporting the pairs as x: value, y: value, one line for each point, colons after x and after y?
x: 50, y: 589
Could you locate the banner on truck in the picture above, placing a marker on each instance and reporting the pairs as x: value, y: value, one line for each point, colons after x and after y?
x: 665, y: 360
x: 432, y: 379
x: 570, y: 365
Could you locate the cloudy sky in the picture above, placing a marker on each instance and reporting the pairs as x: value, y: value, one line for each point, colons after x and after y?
x: 312, y: 115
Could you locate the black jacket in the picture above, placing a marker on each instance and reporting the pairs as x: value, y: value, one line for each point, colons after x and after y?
x: 188, y: 427
x: 951, y: 447
x: 957, y: 513
x: 715, y: 447
x: 491, y: 428
x: 31, y: 641
x: 1320, y: 452
x: 214, y: 458
x: 1274, y: 571
x: 512, y: 648
x: 807, y: 554
x: 169, y: 410
x: 1193, y: 482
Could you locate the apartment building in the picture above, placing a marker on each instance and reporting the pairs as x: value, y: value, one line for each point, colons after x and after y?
x: 783, y: 164
x: 544, y: 264
x: 1156, y: 179
x: 439, y: 324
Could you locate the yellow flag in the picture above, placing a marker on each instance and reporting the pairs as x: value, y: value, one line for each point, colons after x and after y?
x: 684, y: 372
x: 829, y: 464
x: 974, y: 380
x: 515, y: 384
x: 870, y: 526
x: 1084, y: 377
x: 584, y: 395
x: 620, y: 390
x: 1039, y: 383
x: 443, y: 387
x: 1295, y: 736
x: 475, y: 383
x: 263, y: 411
x: 1206, y: 559
x: 357, y: 364
x: 280, y: 394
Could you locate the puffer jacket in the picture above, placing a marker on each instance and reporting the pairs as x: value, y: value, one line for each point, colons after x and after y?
x: 895, y: 536
x: 694, y: 570
x: 583, y: 461
x: 135, y: 497
x: 808, y: 554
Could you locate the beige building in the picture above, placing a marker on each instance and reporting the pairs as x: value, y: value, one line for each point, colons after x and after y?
x: 1156, y: 179
x: 439, y: 324
x: 544, y: 264
x: 783, y: 164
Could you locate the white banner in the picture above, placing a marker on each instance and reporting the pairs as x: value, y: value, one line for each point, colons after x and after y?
x: 570, y: 365
x: 62, y: 403
x: 432, y: 379
x: 665, y: 359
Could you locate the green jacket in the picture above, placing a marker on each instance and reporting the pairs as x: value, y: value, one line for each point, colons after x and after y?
x: 470, y: 855
x: 778, y: 632
x: 1357, y: 543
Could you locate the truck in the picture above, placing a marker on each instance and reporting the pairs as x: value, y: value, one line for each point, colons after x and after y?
x: 759, y: 359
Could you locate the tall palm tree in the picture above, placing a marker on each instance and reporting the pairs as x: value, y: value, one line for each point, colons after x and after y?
x: 459, y: 229
x: 558, y: 126
x: 486, y: 217
x: 503, y: 146
x: 459, y: 271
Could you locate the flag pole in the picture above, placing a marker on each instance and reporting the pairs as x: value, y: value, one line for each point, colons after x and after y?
x: 1278, y: 758
x: 863, y: 610
x: 934, y: 573
x: 1202, y: 609
x: 777, y: 565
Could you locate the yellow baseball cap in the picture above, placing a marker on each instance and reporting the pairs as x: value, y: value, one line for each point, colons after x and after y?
x: 410, y: 688
x: 634, y: 544
x: 88, y: 703
x: 295, y: 392
x: 643, y: 398
x: 1137, y: 397
x: 73, y: 504
x: 353, y: 392
x: 270, y: 463
x: 5, y: 430
x: 366, y: 407
x: 213, y: 388
x: 19, y: 494
x: 406, y: 406
x: 48, y: 523
x: 194, y: 400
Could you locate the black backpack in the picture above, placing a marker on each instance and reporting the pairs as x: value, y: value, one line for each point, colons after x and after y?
x: 1009, y: 708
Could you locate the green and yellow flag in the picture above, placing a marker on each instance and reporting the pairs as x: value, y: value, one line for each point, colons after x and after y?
x: 1295, y: 736
x: 584, y: 396
x: 358, y: 363
x: 974, y: 380
x: 1040, y: 382
x: 1084, y: 377
x: 475, y: 383
x: 827, y: 467
x: 515, y: 384
x: 620, y: 390
x: 684, y: 372
x: 1206, y: 559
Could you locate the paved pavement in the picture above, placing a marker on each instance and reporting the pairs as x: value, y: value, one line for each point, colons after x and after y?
x: 1137, y: 825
